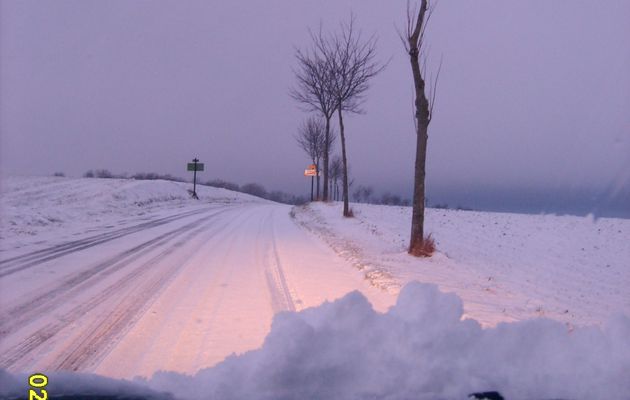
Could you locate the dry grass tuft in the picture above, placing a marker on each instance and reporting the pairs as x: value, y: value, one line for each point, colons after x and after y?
x: 425, y: 249
x: 350, y: 213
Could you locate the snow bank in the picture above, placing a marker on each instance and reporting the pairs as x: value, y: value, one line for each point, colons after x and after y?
x: 420, y: 349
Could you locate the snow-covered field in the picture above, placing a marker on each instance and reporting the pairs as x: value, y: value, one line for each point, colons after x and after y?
x: 125, y: 278
x: 39, y: 211
x: 506, y: 267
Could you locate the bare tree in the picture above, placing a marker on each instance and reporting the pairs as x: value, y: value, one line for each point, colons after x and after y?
x: 311, y: 138
x: 363, y: 193
x: 358, y: 193
x: 254, y: 189
x: 414, y: 44
x: 313, y: 93
x: 352, y: 64
x: 336, y: 168
x: 220, y: 183
x: 391, y: 199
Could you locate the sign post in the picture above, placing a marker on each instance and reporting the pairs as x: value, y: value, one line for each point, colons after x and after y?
x: 312, y: 172
x: 195, y: 166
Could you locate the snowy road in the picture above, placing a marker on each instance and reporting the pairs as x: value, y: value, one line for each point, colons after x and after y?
x: 178, y: 292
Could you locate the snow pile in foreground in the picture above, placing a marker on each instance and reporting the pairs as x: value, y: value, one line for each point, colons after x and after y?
x: 420, y: 349
x: 36, y: 209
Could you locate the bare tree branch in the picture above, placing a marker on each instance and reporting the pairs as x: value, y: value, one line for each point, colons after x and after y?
x: 352, y: 64
x: 433, y: 89
x: 312, y: 91
x: 311, y: 137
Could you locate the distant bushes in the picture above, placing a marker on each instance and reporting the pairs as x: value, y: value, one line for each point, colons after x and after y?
x: 255, y: 189
x: 149, y: 176
x: 219, y: 183
x: 365, y: 194
x: 393, y: 200
x: 106, y: 174
x: 103, y: 173
x: 258, y: 190
x: 286, y: 198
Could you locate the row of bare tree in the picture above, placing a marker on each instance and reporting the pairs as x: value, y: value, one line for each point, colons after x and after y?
x: 311, y: 138
x: 333, y: 75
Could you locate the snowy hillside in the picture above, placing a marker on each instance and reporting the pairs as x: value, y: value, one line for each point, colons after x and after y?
x: 45, y: 210
x: 506, y: 267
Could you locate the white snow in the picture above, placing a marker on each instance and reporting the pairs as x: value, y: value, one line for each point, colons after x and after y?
x: 37, y: 211
x: 125, y: 278
x: 420, y: 349
x: 506, y: 267
x: 176, y: 284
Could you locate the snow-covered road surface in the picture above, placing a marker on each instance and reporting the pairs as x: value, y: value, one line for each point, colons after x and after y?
x: 177, y: 292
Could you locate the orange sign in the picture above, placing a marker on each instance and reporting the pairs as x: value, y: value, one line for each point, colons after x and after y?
x: 311, y: 170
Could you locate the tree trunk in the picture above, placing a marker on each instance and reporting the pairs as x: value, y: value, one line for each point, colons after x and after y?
x: 317, y: 178
x: 330, y: 190
x: 417, y: 215
x: 346, y: 207
x: 326, y: 151
x: 312, y: 180
x: 422, y: 126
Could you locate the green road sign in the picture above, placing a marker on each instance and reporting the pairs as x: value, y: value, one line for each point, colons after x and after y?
x: 191, y: 166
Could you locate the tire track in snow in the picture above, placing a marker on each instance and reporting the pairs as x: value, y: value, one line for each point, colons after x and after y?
x: 19, y: 354
x: 19, y: 263
x: 214, y: 300
x: 95, y: 343
x: 68, y: 245
x: 22, y: 314
x: 42, y: 335
x: 281, y: 299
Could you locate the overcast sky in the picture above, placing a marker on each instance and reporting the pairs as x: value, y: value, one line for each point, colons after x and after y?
x: 533, y: 99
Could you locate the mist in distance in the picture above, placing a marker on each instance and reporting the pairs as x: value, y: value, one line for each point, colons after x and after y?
x: 531, y: 112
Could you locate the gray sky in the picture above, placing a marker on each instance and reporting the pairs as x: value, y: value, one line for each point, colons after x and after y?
x: 533, y: 100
